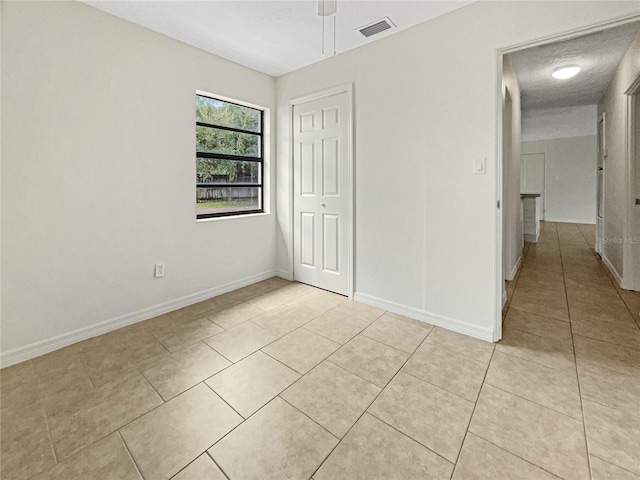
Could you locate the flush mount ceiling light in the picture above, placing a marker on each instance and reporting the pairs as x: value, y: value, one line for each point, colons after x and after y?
x: 563, y: 73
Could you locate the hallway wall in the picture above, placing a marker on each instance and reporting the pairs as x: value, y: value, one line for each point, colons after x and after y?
x: 571, y: 170
x: 616, y: 205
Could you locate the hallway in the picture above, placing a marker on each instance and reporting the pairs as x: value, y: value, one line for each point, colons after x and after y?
x: 564, y: 315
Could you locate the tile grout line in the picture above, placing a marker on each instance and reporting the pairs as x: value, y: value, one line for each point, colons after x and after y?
x: 473, y: 411
x: 126, y: 447
x: 512, y: 355
x: 244, y: 419
x: 328, y: 359
x: 306, y: 415
x: 155, y: 408
x: 152, y: 387
x: 293, y: 369
x: 532, y: 401
x: 636, y: 319
x: 53, y: 448
x: 575, y: 359
x: 609, y: 407
x: 194, y: 460
x: 216, y: 464
x: 391, y: 346
x: 201, y: 381
x: 247, y: 419
x: 608, y: 462
x: 187, y: 466
x: 365, y: 411
x: 575, y: 366
x: 117, y: 429
x: 149, y: 411
x: 266, y: 329
x: 636, y: 349
x: 608, y: 343
x: 324, y: 336
x: 615, y: 286
x: 479, y: 435
x: 414, y: 440
x: 84, y: 367
x: 369, y: 405
x: 443, y: 345
x: 444, y: 389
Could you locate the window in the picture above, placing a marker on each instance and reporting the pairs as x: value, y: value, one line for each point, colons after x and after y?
x: 229, y: 158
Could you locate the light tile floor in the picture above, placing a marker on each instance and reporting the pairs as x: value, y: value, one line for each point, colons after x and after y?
x: 279, y: 380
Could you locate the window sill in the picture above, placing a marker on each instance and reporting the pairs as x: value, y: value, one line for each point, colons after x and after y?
x: 232, y: 217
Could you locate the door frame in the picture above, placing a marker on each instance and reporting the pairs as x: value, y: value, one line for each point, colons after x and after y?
x: 350, y: 230
x: 631, y: 251
x: 601, y: 199
x: 500, y: 53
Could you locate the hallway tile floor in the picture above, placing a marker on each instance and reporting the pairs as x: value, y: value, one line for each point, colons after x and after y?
x: 279, y: 380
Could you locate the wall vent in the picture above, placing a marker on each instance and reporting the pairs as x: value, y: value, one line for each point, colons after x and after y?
x: 376, y: 27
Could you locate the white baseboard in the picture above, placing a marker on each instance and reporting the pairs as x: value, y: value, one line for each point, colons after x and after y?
x: 459, y: 326
x: 36, y: 349
x: 569, y: 220
x: 514, y: 271
x: 612, y: 269
x: 284, y: 274
x: 629, y: 285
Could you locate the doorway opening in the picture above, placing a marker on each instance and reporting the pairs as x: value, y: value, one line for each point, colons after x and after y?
x: 560, y: 125
x: 631, y: 280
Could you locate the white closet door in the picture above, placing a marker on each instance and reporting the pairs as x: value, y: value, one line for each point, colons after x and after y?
x: 321, y: 193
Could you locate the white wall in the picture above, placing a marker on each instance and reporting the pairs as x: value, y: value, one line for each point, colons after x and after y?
x: 425, y: 106
x: 98, y: 175
x: 616, y: 204
x: 570, y: 177
x: 512, y: 204
x: 564, y: 122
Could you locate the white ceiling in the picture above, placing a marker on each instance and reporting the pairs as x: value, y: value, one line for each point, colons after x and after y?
x: 597, y: 54
x: 274, y: 37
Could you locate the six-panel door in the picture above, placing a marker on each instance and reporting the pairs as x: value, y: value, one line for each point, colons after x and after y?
x: 321, y: 193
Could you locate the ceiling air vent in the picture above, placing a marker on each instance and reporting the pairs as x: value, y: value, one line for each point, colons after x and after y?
x: 376, y: 27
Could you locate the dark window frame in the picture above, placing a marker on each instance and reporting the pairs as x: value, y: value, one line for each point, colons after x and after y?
x: 226, y: 156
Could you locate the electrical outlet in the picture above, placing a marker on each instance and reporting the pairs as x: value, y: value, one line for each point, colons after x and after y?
x: 159, y: 270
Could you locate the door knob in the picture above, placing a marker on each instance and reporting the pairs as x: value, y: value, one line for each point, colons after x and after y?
x: 323, y: 204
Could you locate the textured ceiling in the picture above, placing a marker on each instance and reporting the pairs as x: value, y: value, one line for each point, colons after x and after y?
x: 597, y: 54
x: 274, y: 37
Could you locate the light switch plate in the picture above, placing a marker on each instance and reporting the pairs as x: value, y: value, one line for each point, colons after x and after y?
x: 479, y: 166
